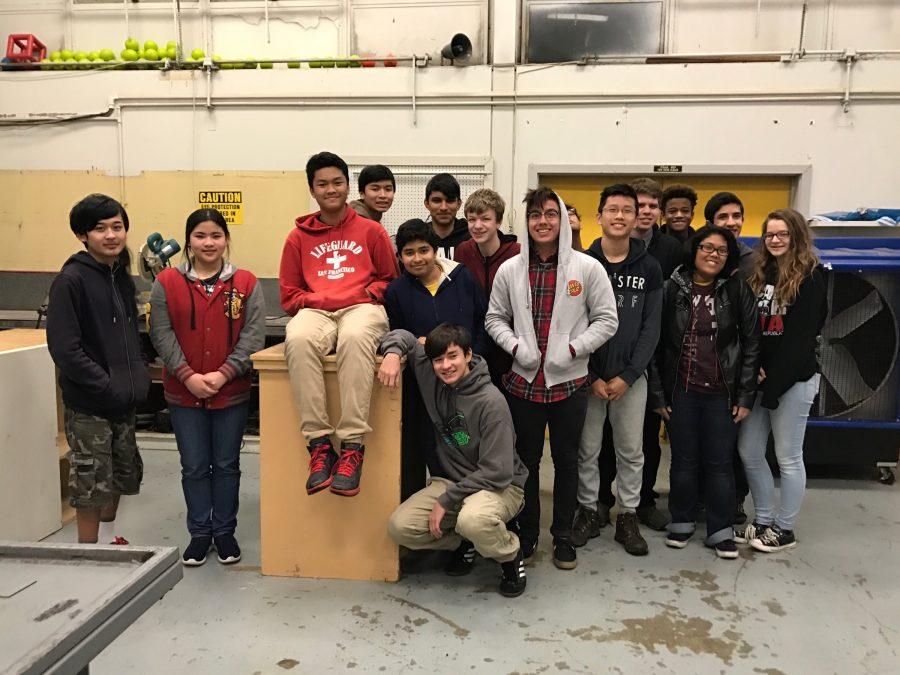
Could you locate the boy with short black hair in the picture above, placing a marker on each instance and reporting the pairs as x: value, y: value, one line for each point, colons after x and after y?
x: 432, y: 290
x: 429, y: 291
x: 335, y: 269
x: 442, y: 199
x: 467, y: 509
x: 376, y: 192
x: 667, y: 251
x: 619, y: 371
x: 726, y: 210
x: 92, y: 336
x: 678, y: 203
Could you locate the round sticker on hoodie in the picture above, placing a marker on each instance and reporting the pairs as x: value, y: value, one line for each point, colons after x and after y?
x: 573, y: 288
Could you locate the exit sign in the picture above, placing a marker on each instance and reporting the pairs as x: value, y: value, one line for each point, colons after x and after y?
x: 667, y: 168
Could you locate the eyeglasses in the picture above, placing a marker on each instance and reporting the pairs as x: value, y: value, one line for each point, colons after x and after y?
x: 784, y: 234
x: 614, y: 211
x: 550, y: 214
x: 709, y: 249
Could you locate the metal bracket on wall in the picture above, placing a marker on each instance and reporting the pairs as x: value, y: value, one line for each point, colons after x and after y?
x: 417, y: 62
x: 848, y: 57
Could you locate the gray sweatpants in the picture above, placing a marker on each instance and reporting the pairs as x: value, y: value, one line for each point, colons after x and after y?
x: 626, y: 416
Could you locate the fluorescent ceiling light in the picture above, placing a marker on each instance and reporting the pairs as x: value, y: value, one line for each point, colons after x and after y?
x: 563, y: 16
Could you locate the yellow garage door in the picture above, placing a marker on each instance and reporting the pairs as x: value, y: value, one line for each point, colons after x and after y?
x: 760, y: 194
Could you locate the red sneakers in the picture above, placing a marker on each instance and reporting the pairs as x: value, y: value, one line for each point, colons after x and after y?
x: 119, y: 541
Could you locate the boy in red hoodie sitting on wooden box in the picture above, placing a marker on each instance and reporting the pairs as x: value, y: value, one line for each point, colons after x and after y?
x: 335, y: 268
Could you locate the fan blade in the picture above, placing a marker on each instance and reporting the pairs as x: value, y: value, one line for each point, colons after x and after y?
x: 853, y: 317
x: 840, y: 369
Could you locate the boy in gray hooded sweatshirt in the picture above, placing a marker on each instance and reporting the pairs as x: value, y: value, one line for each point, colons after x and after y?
x: 483, y: 489
x: 550, y: 308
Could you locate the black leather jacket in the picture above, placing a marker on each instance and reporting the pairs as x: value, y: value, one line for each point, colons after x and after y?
x: 738, y: 338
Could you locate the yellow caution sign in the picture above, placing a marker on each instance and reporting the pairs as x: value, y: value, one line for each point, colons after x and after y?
x: 229, y: 204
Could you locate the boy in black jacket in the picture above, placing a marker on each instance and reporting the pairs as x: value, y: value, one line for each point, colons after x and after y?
x: 93, y: 338
x: 443, y: 199
x: 618, y: 370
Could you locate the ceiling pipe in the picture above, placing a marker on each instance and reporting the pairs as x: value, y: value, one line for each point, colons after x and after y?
x: 537, y: 100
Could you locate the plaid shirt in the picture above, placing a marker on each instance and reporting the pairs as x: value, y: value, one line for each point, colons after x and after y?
x: 542, y: 277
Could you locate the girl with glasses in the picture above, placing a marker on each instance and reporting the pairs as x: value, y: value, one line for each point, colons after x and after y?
x: 703, y: 382
x: 791, y: 290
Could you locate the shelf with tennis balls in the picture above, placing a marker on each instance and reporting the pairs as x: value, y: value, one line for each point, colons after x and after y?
x: 151, y: 56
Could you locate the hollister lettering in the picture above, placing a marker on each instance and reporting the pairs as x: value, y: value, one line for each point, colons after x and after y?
x: 634, y: 283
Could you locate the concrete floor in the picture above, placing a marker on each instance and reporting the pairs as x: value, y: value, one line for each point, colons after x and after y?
x: 832, y: 605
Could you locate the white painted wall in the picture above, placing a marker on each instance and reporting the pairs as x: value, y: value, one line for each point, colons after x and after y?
x: 750, y: 114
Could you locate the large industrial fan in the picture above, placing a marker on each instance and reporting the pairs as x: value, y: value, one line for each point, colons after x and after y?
x: 858, y: 352
x: 856, y: 417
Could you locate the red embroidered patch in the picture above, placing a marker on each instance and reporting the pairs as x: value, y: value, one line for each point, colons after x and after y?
x: 573, y: 288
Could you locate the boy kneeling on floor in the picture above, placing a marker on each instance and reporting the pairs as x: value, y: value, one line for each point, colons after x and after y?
x: 467, y: 511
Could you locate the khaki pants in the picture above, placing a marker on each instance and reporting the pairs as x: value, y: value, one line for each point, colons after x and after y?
x: 354, y: 333
x: 482, y: 520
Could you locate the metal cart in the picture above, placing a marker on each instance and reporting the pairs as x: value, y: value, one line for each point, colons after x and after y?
x: 62, y: 604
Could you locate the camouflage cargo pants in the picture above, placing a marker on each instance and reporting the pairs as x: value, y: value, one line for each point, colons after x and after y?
x: 103, y: 458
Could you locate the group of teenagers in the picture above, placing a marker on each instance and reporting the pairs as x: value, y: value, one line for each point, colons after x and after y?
x: 497, y: 342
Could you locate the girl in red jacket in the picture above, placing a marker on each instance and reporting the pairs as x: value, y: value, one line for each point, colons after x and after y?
x: 207, y: 318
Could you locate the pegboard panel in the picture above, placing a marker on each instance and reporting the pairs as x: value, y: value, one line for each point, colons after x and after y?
x: 411, y: 181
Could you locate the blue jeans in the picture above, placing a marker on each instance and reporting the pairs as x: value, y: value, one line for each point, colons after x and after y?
x: 702, y: 433
x: 788, y: 426
x: 209, y: 442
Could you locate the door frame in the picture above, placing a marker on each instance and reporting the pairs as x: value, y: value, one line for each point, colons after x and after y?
x: 800, y: 174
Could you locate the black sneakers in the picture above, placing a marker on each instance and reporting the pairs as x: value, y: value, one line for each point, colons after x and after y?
x: 512, y: 576
x: 462, y: 560
x: 653, y: 518
x: 629, y: 535
x: 564, y: 556
x: 678, y: 539
x: 586, y: 526
x: 773, y: 539
x: 195, y: 553
x: 322, y: 459
x: 751, y: 531
x: 349, y: 470
x: 726, y: 549
x: 228, y: 550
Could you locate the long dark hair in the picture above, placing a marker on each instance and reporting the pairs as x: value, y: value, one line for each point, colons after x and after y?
x: 201, y: 216
x: 85, y: 215
x: 690, y: 250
